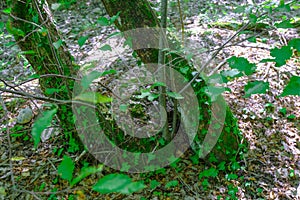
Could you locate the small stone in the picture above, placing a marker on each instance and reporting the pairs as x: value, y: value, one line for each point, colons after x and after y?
x: 25, y: 115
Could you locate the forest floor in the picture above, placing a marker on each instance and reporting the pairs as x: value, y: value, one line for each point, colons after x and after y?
x: 270, y: 124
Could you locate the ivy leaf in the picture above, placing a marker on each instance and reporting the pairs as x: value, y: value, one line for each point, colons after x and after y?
x: 66, y: 168
x: 242, y: 64
x: 292, y: 87
x: 106, y: 47
x: 103, y: 21
x: 82, y: 40
x: 281, y: 55
x: 42, y: 122
x: 57, y: 44
x: 85, y: 172
x: 93, y: 97
x: 117, y: 183
x: 295, y: 43
x: 256, y: 87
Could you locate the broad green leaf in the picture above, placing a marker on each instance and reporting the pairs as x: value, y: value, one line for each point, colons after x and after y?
x: 213, y: 92
x: 106, y: 47
x: 66, y: 168
x: 7, y: 10
x: 111, y: 71
x: 154, y: 184
x: 40, y: 124
x: 295, y: 43
x: 242, y: 64
x: 119, y: 183
x: 51, y: 91
x: 128, y: 42
x: 113, y: 18
x: 57, y: 44
x: 256, y: 87
x: 252, y: 18
x: 85, y: 172
x: 175, y: 95
x: 284, y: 24
x: 281, y: 55
x: 293, y: 87
x: 103, y: 21
x: 55, y: 6
x: 89, y: 78
x: 82, y: 40
x: 171, y: 184
x: 211, y: 172
x: 93, y: 97
x: 1, y: 25
x: 157, y: 84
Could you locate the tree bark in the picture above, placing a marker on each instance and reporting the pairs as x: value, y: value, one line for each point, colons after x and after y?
x: 136, y: 14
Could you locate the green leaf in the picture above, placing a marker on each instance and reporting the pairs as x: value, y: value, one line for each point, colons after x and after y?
x: 85, y: 172
x: 154, y: 184
x: 113, y: 18
x: 295, y: 43
x: 252, y: 18
x: 175, y: 95
x: 292, y: 87
x: 7, y: 11
x: 157, y: 84
x: 117, y: 183
x: 281, y: 55
x: 57, y: 44
x: 284, y: 24
x: 29, y: 52
x: 106, y: 47
x: 66, y: 168
x: 51, y: 91
x: 40, y: 124
x: 88, y: 79
x: 93, y: 97
x: 82, y: 40
x: 103, y: 21
x: 12, y: 30
x: 211, y: 172
x: 1, y: 25
x: 171, y: 184
x: 55, y: 6
x: 231, y: 176
x: 242, y: 64
x: 256, y: 87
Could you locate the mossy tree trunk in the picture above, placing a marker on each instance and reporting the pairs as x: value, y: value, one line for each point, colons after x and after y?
x: 35, y: 33
x: 135, y: 14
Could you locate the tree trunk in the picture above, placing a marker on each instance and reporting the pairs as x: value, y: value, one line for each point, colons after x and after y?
x: 33, y: 29
x: 135, y: 14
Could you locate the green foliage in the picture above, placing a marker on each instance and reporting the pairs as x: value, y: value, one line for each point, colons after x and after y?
x: 66, y: 168
x: 242, y: 64
x: 256, y: 87
x: 41, y: 123
x: 292, y: 87
x: 120, y: 183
